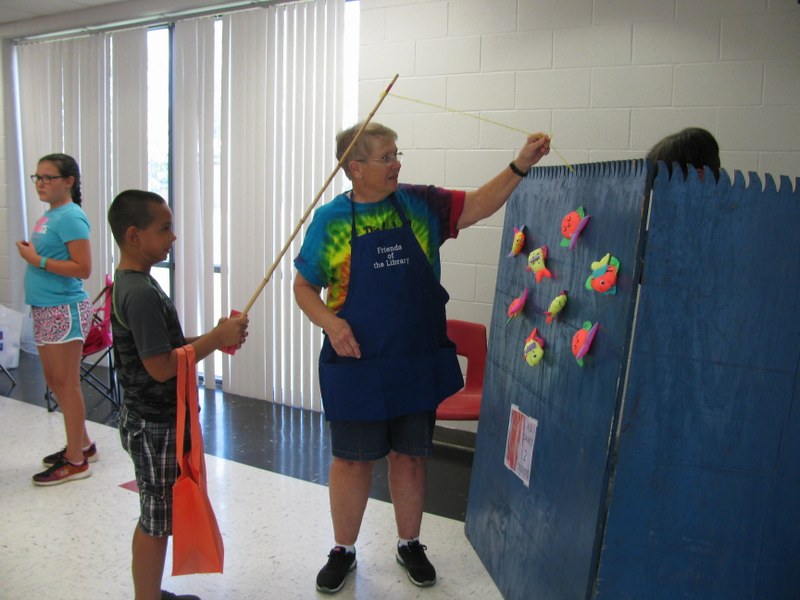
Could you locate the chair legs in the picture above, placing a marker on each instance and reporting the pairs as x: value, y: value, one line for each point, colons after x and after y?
x: 48, y: 398
x: 13, y: 381
x: 108, y: 387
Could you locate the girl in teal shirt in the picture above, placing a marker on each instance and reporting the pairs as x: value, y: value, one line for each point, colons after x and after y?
x: 59, y: 258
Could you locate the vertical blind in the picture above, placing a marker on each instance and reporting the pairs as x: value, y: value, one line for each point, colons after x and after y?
x: 281, y: 88
x: 193, y: 177
x: 67, y: 91
x: 278, y: 146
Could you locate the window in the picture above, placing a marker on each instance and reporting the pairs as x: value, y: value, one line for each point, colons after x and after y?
x: 158, y: 139
x: 230, y: 117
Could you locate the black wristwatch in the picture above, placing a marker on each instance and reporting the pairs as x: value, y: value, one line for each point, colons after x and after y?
x: 516, y: 170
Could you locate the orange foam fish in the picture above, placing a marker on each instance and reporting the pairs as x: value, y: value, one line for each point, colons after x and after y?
x: 604, y: 275
x: 571, y: 226
x: 582, y: 340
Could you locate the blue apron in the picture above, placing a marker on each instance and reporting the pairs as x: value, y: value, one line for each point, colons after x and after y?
x: 396, y: 309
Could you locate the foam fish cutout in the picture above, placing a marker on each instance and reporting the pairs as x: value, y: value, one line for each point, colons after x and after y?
x: 604, y: 275
x: 582, y: 340
x: 534, y: 348
x: 536, y: 264
x: 571, y: 226
x: 556, y: 306
x: 517, y: 305
x: 519, y: 241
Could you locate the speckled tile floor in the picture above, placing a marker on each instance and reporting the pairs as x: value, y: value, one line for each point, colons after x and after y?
x: 72, y: 541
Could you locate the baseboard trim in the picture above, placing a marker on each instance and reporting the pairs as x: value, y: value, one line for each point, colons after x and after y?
x: 454, y: 438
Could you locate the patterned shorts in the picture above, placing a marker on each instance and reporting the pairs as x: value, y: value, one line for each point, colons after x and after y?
x: 63, y: 323
x: 151, y: 446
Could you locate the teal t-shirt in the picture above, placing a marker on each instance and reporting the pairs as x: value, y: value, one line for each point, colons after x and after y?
x: 51, y: 233
x: 324, y: 258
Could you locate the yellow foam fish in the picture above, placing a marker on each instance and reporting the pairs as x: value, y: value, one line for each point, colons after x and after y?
x: 556, y: 306
x: 536, y: 264
x: 518, y: 242
x: 534, y: 348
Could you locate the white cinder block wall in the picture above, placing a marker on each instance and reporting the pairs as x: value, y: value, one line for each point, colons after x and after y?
x: 607, y: 78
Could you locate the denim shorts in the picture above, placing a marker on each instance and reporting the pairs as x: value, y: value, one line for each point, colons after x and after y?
x: 151, y: 446
x: 371, y: 440
x: 63, y: 323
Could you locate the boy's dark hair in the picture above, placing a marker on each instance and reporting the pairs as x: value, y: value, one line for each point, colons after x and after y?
x: 131, y: 208
x: 691, y: 146
x: 67, y: 167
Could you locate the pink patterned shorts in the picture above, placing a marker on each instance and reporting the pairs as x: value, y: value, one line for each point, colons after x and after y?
x: 63, y: 323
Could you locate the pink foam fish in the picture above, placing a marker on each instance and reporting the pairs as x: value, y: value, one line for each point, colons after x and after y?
x: 517, y: 305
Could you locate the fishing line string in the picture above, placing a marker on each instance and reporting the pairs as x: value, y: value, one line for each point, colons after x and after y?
x: 479, y: 118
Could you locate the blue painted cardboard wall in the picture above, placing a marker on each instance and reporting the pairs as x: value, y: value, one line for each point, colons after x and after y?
x: 707, y: 487
x: 675, y: 479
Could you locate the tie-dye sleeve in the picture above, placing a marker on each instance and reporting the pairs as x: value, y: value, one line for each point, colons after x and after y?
x: 326, y: 245
x: 445, y: 206
x: 310, y: 262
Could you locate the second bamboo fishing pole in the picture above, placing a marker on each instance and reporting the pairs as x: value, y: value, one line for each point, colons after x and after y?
x: 294, y: 233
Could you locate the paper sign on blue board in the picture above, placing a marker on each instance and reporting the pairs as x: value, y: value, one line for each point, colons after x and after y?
x: 519, y: 444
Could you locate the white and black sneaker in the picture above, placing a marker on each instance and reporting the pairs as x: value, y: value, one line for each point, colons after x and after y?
x: 420, y: 570
x: 331, y: 577
x: 165, y: 595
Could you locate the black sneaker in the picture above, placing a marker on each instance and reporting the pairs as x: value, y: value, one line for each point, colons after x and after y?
x: 420, y: 570
x: 165, y: 595
x: 331, y: 577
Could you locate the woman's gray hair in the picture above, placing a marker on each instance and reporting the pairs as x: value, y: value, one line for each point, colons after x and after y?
x: 363, y: 146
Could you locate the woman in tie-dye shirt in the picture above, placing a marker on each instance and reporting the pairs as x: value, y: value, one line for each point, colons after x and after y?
x: 325, y: 256
x: 386, y: 362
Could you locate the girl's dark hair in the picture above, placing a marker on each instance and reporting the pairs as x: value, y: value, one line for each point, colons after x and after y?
x: 691, y: 146
x: 131, y: 208
x: 67, y: 167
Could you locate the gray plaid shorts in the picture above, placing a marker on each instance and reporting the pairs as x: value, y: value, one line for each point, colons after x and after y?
x: 151, y: 446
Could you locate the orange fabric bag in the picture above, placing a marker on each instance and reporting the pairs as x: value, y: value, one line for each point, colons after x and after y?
x: 196, y: 539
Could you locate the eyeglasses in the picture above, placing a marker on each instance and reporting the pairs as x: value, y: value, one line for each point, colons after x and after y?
x: 386, y: 159
x: 45, y: 178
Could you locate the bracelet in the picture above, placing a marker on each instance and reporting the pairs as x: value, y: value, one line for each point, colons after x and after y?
x: 43, y: 263
x: 515, y: 170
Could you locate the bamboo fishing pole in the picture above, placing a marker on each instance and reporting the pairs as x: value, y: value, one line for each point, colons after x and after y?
x: 317, y: 197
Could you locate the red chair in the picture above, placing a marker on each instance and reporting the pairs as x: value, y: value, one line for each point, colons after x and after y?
x: 470, y: 341
x: 99, y: 341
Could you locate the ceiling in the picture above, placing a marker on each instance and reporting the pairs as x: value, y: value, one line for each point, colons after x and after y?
x: 20, y: 10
